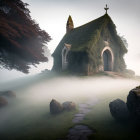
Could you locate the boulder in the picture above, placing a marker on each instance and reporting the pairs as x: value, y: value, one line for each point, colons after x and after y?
x: 119, y: 110
x: 55, y: 107
x: 3, y: 102
x: 8, y: 93
x: 133, y: 102
x: 69, y: 106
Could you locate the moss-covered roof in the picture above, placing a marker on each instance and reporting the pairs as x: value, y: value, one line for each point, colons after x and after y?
x: 87, y: 35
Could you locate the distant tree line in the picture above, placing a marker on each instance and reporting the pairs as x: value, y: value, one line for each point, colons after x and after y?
x: 21, y: 39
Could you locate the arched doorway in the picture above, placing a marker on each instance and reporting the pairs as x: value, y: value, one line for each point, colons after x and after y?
x: 107, y: 60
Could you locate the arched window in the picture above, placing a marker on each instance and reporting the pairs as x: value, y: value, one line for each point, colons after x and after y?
x: 65, y: 51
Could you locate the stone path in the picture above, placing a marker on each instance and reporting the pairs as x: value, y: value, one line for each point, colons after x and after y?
x: 84, y: 108
x: 81, y: 132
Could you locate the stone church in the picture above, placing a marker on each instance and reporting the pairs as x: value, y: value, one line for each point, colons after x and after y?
x: 90, y: 48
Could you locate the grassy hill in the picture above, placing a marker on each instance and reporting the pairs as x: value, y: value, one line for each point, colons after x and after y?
x: 27, y: 117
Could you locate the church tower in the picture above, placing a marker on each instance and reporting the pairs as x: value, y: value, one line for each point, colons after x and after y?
x: 69, y: 25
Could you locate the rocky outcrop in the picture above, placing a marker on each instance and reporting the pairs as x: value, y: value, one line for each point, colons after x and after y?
x: 119, y: 110
x: 133, y: 103
x: 55, y: 107
x: 3, y: 102
x: 131, y: 109
x: 69, y: 106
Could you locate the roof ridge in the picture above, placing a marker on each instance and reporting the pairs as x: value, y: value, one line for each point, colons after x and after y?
x: 105, y: 15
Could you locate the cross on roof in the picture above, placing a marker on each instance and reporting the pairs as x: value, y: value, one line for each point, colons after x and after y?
x: 106, y: 8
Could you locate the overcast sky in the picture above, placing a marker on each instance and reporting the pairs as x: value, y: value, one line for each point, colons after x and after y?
x: 52, y: 15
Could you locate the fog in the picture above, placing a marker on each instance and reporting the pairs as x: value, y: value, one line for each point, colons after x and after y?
x: 35, y: 94
x: 71, y: 88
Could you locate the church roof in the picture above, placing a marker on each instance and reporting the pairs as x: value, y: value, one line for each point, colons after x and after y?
x: 86, y: 36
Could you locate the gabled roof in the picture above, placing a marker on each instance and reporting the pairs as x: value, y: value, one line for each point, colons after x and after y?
x: 87, y: 35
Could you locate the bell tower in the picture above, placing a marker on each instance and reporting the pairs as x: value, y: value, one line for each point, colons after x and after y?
x: 69, y: 25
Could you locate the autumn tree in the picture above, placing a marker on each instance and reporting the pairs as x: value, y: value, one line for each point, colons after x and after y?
x: 21, y: 39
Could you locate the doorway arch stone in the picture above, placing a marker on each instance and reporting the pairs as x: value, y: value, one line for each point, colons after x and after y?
x: 107, y: 59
